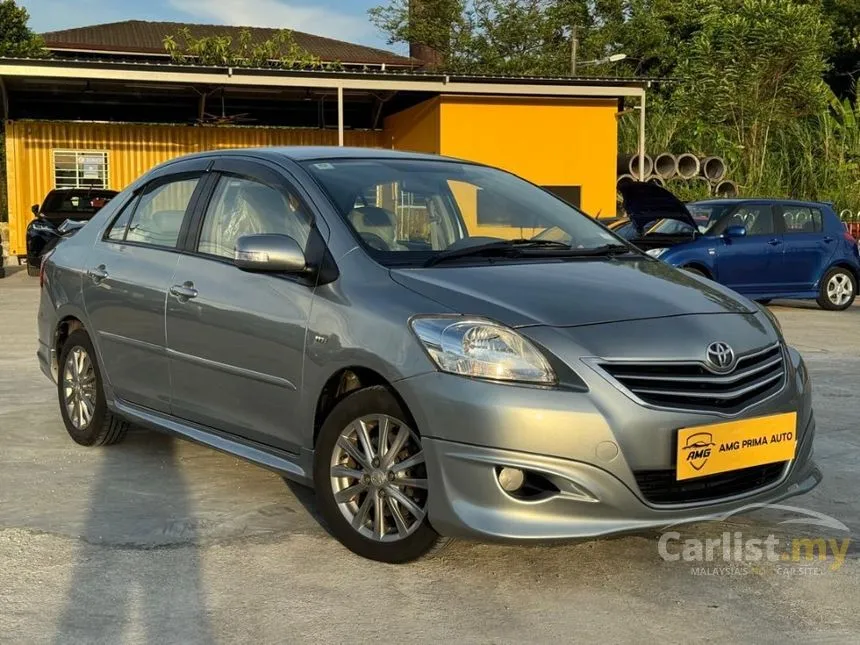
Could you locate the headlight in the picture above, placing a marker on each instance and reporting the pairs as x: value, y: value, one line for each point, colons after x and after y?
x: 481, y: 349
x: 656, y: 253
x: 39, y: 225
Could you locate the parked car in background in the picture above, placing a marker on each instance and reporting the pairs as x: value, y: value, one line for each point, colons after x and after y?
x: 344, y: 317
x: 60, y: 205
x: 761, y: 248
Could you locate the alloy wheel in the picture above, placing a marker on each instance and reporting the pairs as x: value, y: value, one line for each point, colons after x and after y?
x: 79, y: 388
x: 379, y: 478
x: 840, y: 288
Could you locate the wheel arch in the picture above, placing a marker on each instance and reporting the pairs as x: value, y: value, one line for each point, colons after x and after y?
x: 699, y: 266
x: 344, y: 381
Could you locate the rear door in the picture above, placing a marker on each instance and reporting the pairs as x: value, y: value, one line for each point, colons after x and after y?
x: 125, y: 286
x: 808, y: 248
x: 750, y: 264
x: 236, y: 339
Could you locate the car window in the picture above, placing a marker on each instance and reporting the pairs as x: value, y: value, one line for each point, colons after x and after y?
x: 242, y: 206
x: 408, y: 210
x: 757, y: 219
x: 802, y: 219
x: 118, y: 227
x: 159, y: 213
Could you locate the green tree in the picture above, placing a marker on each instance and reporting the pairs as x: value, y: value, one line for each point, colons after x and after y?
x: 751, y: 71
x: 17, y: 40
x: 220, y: 50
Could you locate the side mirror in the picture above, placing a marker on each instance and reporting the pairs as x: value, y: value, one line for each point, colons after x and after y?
x: 269, y: 253
x: 35, y: 209
x: 736, y: 231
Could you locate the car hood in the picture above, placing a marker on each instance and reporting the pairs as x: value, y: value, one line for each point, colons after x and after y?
x: 572, y: 293
x: 646, y: 202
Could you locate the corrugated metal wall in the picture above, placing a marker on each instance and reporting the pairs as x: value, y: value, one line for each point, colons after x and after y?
x: 132, y: 150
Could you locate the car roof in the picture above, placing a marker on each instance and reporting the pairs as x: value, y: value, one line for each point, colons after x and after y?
x: 309, y: 153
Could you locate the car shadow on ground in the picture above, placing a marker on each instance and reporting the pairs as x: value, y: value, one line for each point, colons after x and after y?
x: 133, y: 512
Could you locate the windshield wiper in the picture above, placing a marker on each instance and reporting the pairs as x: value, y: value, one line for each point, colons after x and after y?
x: 598, y: 251
x: 502, y: 247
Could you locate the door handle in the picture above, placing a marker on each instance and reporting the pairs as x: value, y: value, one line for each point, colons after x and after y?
x: 774, y: 242
x: 828, y: 239
x: 97, y: 274
x: 184, y: 291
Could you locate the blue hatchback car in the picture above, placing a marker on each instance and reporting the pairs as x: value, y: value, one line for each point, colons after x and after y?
x: 761, y: 248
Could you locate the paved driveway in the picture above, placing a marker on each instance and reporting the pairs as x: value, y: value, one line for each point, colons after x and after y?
x: 157, y: 540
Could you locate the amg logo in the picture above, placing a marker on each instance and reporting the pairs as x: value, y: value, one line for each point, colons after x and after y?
x: 699, y: 454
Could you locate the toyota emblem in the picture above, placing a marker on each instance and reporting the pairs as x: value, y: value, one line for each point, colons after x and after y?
x: 720, y: 357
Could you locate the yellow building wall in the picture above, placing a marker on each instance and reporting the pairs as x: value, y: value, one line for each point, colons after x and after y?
x: 551, y: 142
x: 132, y: 150
x: 415, y: 129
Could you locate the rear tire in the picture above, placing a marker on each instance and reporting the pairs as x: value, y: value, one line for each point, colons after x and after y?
x: 838, y: 290
x: 32, y: 270
x: 362, y: 473
x: 81, y: 394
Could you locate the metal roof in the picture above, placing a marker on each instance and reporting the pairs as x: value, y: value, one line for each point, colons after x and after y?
x: 391, y: 79
x: 142, y: 37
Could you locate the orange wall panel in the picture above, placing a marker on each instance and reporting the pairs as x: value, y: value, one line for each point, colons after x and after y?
x: 551, y: 142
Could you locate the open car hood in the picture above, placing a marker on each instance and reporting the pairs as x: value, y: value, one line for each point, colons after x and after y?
x: 646, y: 203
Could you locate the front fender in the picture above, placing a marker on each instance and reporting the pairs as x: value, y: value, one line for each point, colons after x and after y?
x: 702, y: 255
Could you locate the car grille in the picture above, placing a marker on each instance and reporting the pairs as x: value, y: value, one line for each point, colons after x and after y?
x: 660, y: 486
x: 692, y: 386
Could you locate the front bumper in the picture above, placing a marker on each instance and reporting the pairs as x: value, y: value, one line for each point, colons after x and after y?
x: 590, y: 444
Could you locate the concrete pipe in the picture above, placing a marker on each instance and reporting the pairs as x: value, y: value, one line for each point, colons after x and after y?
x: 726, y: 188
x: 666, y: 165
x: 713, y: 169
x: 657, y: 180
x: 630, y: 165
x: 625, y: 179
x: 688, y: 165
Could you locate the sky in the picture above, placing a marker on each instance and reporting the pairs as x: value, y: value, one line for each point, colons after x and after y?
x: 342, y: 19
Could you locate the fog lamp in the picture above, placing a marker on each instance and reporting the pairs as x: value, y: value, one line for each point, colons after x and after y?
x: 511, y: 479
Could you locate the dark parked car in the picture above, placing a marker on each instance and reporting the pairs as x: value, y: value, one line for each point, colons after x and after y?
x: 762, y: 248
x: 61, y: 204
x: 429, y: 380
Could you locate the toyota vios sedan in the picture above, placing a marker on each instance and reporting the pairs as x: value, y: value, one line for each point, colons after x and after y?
x: 391, y: 329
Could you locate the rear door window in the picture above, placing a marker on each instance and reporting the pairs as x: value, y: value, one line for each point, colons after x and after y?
x: 157, y: 219
x: 802, y: 219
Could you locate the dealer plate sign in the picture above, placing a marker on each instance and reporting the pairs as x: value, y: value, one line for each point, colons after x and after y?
x: 722, y: 447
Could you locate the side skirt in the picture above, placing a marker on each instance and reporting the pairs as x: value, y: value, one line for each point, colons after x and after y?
x: 290, y: 465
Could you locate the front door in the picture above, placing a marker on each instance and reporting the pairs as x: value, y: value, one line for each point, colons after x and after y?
x: 127, y: 276
x: 807, y: 247
x: 752, y: 263
x: 236, y: 339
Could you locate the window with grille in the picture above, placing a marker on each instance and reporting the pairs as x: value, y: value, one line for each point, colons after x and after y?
x: 80, y: 169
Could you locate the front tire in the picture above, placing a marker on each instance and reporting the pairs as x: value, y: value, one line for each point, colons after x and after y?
x: 82, y: 401
x: 371, y: 479
x: 695, y: 271
x: 32, y: 270
x: 838, y: 289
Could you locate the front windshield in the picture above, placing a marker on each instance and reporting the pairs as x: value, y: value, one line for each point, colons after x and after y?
x: 408, y: 210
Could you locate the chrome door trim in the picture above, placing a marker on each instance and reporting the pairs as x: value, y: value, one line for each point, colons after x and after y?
x: 233, y: 369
